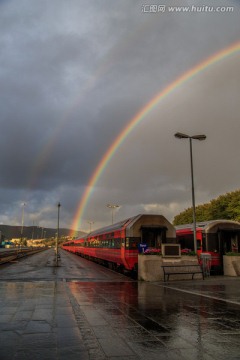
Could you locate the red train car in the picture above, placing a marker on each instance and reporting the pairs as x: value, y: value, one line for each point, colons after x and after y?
x: 117, y: 245
x: 216, y: 237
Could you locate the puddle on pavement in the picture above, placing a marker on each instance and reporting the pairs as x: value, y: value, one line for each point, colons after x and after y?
x: 151, y: 325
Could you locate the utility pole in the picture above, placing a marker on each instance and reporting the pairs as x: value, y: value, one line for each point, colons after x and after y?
x: 59, y: 205
x: 90, y: 224
x: 23, y: 205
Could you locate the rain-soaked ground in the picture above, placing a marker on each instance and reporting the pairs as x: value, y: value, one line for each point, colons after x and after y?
x: 83, y: 311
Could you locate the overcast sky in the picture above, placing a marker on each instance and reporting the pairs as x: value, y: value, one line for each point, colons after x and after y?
x: 74, y: 73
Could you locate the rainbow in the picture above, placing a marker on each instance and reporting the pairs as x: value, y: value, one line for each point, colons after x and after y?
x: 226, y: 52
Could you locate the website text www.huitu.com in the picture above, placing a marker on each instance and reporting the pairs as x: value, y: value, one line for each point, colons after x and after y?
x: 186, y: 9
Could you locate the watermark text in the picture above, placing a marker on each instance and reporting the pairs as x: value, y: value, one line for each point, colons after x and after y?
x: 155, y: 8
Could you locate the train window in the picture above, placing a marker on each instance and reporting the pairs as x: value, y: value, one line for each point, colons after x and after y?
x: 186, y: 241
x: 127, y: 243
x: 133, y: 243
x: 123, y: 243
x: 199, y: 247
x: 212, y: 242
x: 117, y: 243
x: 153, y: 237
x: 204, y: 248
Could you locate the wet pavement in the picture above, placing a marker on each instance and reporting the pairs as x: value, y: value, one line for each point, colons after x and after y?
x: 83, y: 311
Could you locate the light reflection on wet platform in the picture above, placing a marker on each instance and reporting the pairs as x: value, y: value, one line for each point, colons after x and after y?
x: 81, y: 310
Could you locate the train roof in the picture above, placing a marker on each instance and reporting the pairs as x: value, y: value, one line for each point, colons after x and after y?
x: 110, y: 228
x: 190, y: 226
x: 208, y: 224
x: 121, y: 224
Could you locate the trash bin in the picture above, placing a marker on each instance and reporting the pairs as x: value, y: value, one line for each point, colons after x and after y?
x: 205, y: 261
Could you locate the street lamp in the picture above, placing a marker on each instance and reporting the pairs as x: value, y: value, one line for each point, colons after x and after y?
x: 194, y: 137
x: 33, y: 231
x: 58, y: 205
x: 90, y: 224
x: 112, y: 207
x: 23, y: 205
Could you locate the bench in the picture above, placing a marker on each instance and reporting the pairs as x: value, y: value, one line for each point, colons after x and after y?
x: 181, y: 269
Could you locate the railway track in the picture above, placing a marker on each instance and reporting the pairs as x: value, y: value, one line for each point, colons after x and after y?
x: 11, y: 255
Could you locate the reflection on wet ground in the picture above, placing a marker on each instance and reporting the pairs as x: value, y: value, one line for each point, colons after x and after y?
x: 83, y: 311
x: 160, y: 322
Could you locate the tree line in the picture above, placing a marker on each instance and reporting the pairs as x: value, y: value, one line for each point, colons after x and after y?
x: 224, y: 207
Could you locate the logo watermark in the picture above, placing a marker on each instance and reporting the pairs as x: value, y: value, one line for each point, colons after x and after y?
x: 155, y: 8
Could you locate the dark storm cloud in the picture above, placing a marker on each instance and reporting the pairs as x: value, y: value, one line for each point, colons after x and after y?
x: 72, y: 76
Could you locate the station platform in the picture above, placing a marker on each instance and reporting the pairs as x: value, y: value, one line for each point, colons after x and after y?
x: 81, y: 310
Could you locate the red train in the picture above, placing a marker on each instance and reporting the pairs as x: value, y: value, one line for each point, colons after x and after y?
x: 117, y: 246
x: 216, y: 237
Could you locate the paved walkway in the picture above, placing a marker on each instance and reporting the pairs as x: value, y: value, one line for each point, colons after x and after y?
x: 83, y: 311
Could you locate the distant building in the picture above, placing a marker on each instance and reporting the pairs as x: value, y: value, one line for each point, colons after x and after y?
x: 35, y: 243
x: 16, y: 241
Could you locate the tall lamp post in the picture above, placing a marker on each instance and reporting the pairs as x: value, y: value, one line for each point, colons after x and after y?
x: 90, y: 224
x: 112, y: 207
x: 194, y: 137
x: 23, y: 205
x: 59, y: 205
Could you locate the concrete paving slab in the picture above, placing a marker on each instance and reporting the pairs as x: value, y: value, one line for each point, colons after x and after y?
x: 83, y: 311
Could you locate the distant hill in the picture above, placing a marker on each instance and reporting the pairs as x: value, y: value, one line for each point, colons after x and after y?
x: 34, y: 232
